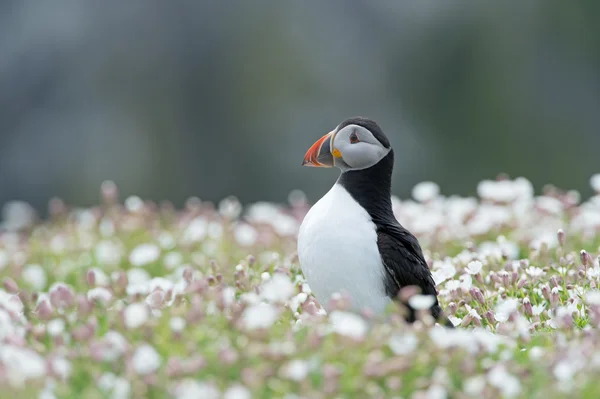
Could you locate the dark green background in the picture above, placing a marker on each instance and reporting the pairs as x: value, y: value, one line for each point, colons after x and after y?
x: 211, y: 98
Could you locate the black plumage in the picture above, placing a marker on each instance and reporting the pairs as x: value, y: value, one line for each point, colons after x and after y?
x: 400, y: 250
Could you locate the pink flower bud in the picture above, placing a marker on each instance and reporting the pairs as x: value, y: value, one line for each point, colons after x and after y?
x: 585, y: 258
x: 505, y: 279
x: 310, y: 308
x: 82, y: 333
x: 84, y: 306
x: 56, y: 207
x: 466, y: 320
x: 407, y: 292
x: 44, y: 310
x: 156, y: 299
x: 479, y: 278
x: 489, y: 316
x: 61, y: 296
x: 228, y: 356
x: 581, y: 273
x: 561, y: 237
x: 193, y: 364
x: 451, y: 308
x: 90, y: 278
x: 546, y: 292
x: 188, y: 273
x: 120, y: 280
x: 527, y: 307
x: 554, y: 297
x: 477, y: 295
x: 553, y: 281
x: 173, y: 367
x: 109, y: 192
x: 522, y: 282
x: 513, y: 277
x: 10, y: 285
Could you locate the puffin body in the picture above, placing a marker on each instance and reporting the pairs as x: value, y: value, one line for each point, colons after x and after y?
x: 350, y: 240
x: 338, y: 222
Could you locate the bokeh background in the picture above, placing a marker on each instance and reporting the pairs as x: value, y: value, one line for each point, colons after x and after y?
x: 211, y: 98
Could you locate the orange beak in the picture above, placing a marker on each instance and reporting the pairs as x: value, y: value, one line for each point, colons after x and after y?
x: 319, y: 154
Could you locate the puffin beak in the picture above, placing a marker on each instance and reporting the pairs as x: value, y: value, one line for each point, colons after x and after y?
x: 319, y: 154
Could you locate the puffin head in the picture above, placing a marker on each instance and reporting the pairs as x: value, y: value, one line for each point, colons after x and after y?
x: 356, y: 143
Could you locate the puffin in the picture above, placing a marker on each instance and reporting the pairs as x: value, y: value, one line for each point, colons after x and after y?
x: 350, y: 241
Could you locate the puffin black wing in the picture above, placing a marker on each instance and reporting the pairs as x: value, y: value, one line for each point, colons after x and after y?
x: 405, y: 265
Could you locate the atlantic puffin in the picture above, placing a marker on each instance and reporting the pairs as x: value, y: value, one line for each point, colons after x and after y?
x: 350, y: 241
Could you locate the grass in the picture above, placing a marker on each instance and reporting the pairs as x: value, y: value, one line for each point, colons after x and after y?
x: 143, y: 300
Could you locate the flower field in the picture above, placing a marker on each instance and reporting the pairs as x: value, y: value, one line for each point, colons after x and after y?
x: 134, y: 299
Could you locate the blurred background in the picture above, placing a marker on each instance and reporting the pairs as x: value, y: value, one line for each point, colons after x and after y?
x: 211, y: 98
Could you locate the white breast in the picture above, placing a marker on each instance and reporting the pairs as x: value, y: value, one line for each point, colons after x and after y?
x: 337, y: 250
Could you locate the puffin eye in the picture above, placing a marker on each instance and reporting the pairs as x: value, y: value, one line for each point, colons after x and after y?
x: 353, y: 138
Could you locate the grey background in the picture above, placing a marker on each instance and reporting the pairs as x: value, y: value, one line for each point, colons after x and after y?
x: 210, y: 98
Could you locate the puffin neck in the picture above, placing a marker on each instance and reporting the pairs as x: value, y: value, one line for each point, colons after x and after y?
x: 371, y: 187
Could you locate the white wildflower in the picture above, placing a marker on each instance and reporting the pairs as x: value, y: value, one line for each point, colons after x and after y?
x: 135, y: 315
x: 17, y: 215
x: 121, y: 389
x: 297, y: 300
x: 237, y: 392
x: 421, y: 302
x: 106, y: 382
x: 35, y: 276
x: 474, y: 386
x: 595, y: 182
x: 425, y: 191
x: 564, y: 371
x: 55, y: 327
x: 442, y: 271
x: 437, y: 391
x: 284, y: 225
x: 296, y: 370
x: 507, y: 383
x: 172, y: 260
x: 258, y: 316
x: 192, y: 389
x: 474, y: 267
x: 277, y: 289
x: 100, y: 294
x: 196, y: 230
x: 144, y: 254
x: 230, y: 207
x: 536, y: 353
x: 403, y: 344
x: 534, y: 271
x: 505, y: 308
x: 11, y: 302
x: 592, y: 297
x: 145, y: 360
x: 24, y: 364
x: 108, y: 253
x: 466, y: 282
x: 7, y: 326
x: 160, y: 283
x: 134, y: 204
x: 115, y: 346
x: 177, y: 324
x: 228, y: 296
x: 348, y: 324
x: 62, y: 367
